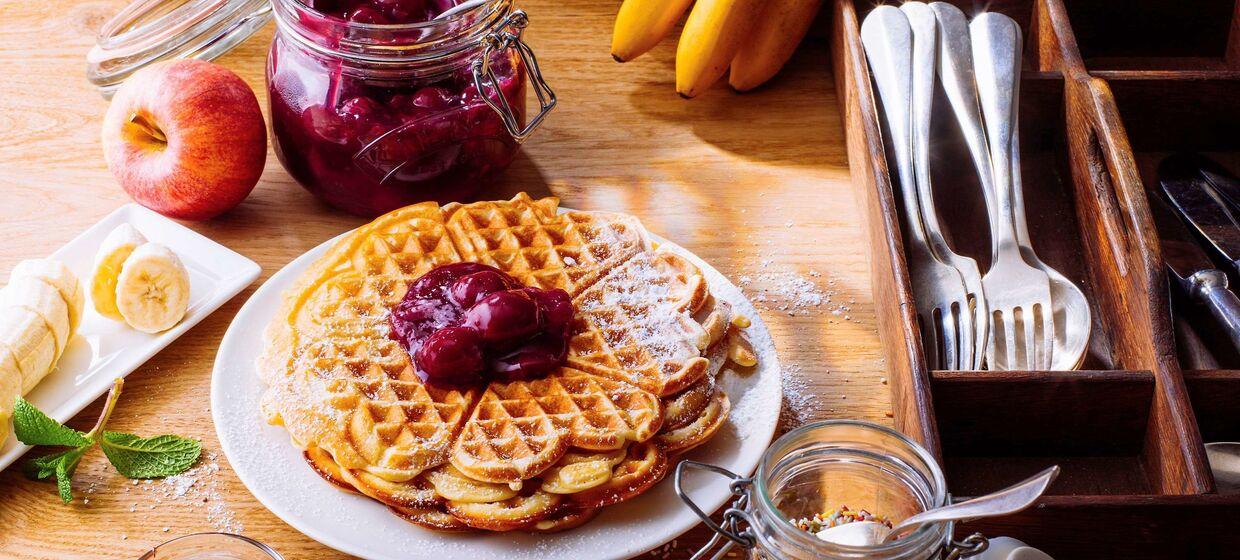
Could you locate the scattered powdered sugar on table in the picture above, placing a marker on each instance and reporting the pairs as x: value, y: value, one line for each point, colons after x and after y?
x: 792, y: 293
x: 197, y: 488
x: 802, y: 402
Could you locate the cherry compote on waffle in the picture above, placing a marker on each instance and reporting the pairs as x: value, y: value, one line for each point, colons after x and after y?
x: 465, y: 323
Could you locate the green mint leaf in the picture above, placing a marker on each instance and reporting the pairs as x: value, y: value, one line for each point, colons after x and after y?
x: 35, y: 428
x: 61, y: 465
x: 64, y: 472
x: 43, y: 467
x: 154, y: 457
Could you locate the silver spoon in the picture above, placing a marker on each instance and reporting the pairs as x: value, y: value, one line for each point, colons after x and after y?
x: 1069, y: 307
x: 1004, y: 502
x: 1224, y: 457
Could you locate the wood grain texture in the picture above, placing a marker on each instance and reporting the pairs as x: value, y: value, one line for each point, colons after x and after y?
x: 757, y: 185
x: 1127, y: 436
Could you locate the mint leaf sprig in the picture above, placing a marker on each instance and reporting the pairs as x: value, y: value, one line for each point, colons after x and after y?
x: 133, y: 456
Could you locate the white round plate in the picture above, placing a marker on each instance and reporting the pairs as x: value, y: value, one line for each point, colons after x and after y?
x: 275, y: 472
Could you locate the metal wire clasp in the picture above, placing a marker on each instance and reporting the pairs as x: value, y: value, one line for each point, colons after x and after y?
x: 508, y: 35
x: 736, y: 512
x: 972, y: 545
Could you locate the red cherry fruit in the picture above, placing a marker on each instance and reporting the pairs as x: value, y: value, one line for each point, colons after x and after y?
x: 366, y: 14
x: 433, y: 98
x: 434, y: 283
x: 469, y: 289
x: 540, y: 355
x: 557, y: 307
x: 452, y: 356
x: 505, y: 316
x: 414, y: 319
x: 361, y: 109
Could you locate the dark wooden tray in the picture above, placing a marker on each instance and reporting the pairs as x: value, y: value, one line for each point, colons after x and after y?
x: 1127, y: 429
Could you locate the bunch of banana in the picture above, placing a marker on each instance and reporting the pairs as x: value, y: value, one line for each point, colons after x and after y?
x: 40, y: 309
x: 753, y: 37
x: 139, y: 283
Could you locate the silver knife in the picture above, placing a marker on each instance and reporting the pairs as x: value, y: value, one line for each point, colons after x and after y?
x: 1202, y: 208
x: 1189, y: 266
x: 1192, y: 164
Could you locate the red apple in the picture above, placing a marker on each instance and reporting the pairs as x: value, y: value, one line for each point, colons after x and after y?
x: 185, y: 138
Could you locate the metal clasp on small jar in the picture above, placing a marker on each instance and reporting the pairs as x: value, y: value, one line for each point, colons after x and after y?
x: 730, y: 533
x: 508, y: 35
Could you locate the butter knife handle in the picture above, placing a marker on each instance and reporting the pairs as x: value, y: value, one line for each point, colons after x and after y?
x: 1210, y: 288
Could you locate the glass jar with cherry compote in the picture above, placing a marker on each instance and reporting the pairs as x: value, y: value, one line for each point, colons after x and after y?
x: 378, y: 104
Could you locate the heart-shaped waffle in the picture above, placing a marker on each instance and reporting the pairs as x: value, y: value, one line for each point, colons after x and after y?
x: 519, y: 429
x: 700, y: 430
x: 530, y: 241
x: 637, y: 324
x: 514, y: 513
x: 644, y: 465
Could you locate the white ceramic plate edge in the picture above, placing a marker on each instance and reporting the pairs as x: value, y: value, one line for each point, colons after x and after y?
x: 621, y: 548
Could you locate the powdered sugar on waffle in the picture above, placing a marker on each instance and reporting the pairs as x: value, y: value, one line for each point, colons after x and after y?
x: 641, y: 287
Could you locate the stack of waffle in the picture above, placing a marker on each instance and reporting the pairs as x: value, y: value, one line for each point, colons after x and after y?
x: 637, y: 390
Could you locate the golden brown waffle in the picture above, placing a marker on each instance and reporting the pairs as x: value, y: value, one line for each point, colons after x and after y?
x: 434, y: 518
x: 519, y: 429
x: 563, y: 520
x: 530, y: 241
x: 336, y: 381
x: 510, y: 514
x: 644, y: 465
x: 579, y: 471
x: 538, y: 455
x: 700, y: 430
x: 636, y: 324
x: 685, y: 407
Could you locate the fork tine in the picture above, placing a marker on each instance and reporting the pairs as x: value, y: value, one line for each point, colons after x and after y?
x: 964, y: 319
x: 981, y: 328
x: 1009, y: 335
x: 1028, y: 318
x: 1048, y: 336
x: 950, y: 338
x: 928, y: 342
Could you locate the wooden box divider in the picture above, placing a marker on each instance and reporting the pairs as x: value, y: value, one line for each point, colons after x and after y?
x: 1124, y: 428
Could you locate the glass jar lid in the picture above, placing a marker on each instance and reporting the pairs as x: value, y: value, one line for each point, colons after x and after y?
x: 148, y: 31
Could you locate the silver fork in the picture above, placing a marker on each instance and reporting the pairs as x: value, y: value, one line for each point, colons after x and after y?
x: 938, y: 288
x: 1071, y: 311
x: 1022, y: 325
x: 972, y: 322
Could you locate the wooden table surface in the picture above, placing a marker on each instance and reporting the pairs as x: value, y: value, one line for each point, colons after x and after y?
x: 757, y: 185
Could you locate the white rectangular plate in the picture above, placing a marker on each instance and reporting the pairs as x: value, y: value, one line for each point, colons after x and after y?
x: 102, y: 349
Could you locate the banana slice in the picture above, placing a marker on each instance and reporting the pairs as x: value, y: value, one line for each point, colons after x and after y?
x: 10, y: 388
x: 57, y: 274
x: 43, y: 299
x: 30, y: 340
x: 116, y: 247
x: 152, y: 290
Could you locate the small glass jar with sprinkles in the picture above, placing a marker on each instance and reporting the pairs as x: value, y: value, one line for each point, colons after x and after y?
x: 803, y: 483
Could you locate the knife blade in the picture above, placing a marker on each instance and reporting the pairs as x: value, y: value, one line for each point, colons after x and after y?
x: 1192, y: 270
x: 1201, y: 207
x: 1225, y: 184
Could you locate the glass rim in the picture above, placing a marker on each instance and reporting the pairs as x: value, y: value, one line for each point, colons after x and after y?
x: 921, y: 536
x: 416, y: 41
x: 148, y: 31
x: 256, y: 544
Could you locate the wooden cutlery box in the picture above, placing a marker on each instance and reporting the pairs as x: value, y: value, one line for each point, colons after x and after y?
x: 1109, y: 88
